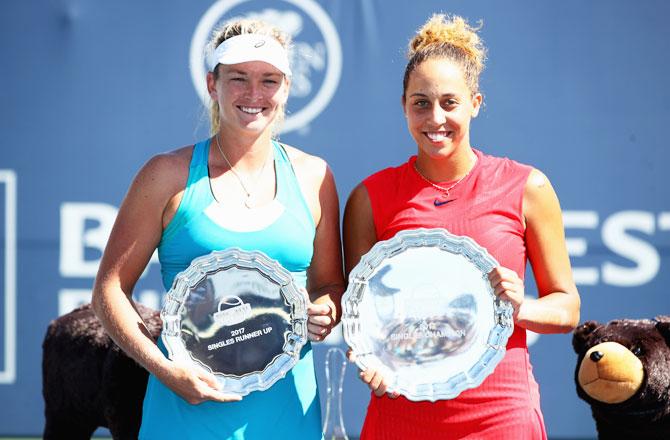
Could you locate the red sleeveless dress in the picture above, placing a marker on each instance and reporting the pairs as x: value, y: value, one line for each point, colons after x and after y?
x: 486, y: 206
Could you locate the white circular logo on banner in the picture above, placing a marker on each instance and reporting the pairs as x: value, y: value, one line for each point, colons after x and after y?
x: 316, y: 58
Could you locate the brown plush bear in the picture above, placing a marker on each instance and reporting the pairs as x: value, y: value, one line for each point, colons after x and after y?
x: 87, y: 381
x: 623, y: 372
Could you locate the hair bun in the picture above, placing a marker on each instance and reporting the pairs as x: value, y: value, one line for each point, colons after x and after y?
x: 442, y: 29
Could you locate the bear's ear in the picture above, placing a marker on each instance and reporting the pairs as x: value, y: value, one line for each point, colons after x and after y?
x: 663, y: 327
x: 581, y: 335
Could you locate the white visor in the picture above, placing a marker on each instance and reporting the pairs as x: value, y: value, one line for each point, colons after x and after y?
x: 250, y: 47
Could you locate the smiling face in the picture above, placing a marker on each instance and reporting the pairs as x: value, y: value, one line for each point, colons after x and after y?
x: 438, y: 105
x: 250, y: 95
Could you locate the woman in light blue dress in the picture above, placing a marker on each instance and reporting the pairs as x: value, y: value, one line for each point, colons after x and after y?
x: 240, y: 188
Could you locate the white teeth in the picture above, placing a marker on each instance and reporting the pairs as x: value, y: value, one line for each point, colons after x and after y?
x: 436, y: 136
x: 252, y: 110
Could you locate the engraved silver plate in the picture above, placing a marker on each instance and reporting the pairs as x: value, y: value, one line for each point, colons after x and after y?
x: 238, y: 315
x: 420, y: 309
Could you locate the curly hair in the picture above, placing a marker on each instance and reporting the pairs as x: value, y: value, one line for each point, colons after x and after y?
x: 452, y: 38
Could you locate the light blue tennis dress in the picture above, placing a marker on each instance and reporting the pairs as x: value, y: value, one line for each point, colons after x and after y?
x: 284, y: 230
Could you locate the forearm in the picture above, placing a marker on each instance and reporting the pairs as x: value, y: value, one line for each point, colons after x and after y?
x: 124, y: 325
x: 556, y: 312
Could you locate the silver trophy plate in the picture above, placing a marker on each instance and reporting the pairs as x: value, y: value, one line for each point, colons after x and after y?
x: 236, y: 314
x: 420, y: 309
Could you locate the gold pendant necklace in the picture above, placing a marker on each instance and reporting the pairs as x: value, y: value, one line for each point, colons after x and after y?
x: 443, y: 197
x: 248, y: 201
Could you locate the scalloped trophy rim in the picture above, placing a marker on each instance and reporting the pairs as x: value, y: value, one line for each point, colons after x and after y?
x: 443, y: 239
x: 206, y: 265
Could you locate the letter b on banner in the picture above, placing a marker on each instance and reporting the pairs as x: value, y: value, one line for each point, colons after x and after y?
x: 78, y: 234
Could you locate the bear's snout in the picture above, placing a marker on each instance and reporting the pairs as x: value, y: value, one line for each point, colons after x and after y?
x: 610, y: 373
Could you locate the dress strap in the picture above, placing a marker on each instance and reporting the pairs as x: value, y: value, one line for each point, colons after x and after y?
x: 197, y: 194
x: 289, y: 192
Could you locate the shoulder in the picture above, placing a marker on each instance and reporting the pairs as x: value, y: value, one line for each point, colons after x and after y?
x: 168, y: 161
x: 386, y: 176
x: 539, y: 197
x: 167, y: 165
x: 165, y: 172
x: 359, y: 195
x: 503, y: 164
x: 358, y: 203
x: 308, y: 167
x: 537, y: 184
x: 316, y: 182
x: 503, y: 174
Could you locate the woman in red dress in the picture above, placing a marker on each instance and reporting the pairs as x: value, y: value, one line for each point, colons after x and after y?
x: 509, y: 208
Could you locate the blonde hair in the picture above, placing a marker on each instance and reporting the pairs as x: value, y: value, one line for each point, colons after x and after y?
x: 229, y: 30
x: 452, y: 38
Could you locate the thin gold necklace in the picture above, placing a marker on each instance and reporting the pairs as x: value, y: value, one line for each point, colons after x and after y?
x: 444, y: 196
x: 248, y: 201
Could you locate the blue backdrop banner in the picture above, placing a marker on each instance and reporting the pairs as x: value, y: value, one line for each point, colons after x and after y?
x: 93, y: 89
